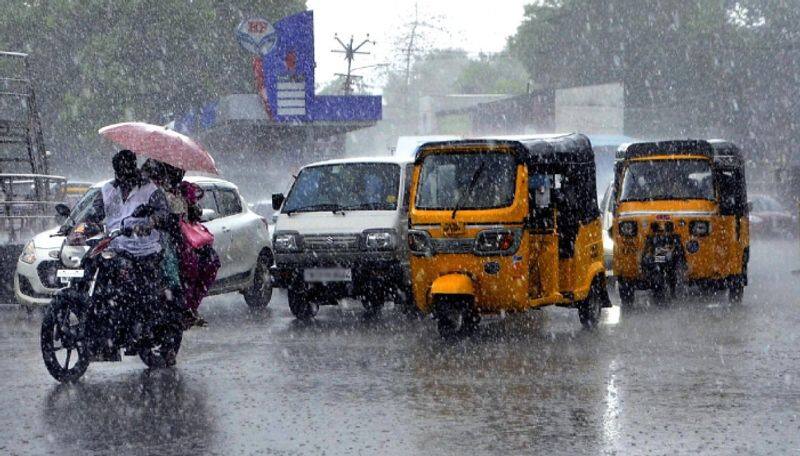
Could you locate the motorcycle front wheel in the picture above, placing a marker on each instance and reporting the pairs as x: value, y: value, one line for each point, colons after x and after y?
x: 62, y: 341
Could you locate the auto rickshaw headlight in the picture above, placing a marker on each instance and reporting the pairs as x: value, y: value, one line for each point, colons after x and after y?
x: 699, y: 228
x: 380, y: 239
x: 628, y: 228
x: 497, y: 242
x: 419, y: 243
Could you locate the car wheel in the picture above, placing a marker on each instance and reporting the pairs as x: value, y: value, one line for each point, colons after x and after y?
x: 260, y: 294
x: 301, y: 305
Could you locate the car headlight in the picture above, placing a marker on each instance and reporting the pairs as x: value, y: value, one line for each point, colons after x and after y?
x: 28, y: 254
x: 287, y: 242
x: 497, y: 242
x: 700, y: 228
x: 380, y: 239
x: 628, y: 228
x: 419, y: 243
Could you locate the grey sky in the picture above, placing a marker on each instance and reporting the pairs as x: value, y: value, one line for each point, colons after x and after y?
x: 474, y: 25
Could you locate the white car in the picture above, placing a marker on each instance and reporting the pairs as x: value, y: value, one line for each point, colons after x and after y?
x: 241, y: 240
x: 607, y: 210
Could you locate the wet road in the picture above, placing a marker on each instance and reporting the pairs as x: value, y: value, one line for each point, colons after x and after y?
x: 699, y: 376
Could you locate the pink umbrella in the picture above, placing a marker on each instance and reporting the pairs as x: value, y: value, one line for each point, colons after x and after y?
x: 162, y: 144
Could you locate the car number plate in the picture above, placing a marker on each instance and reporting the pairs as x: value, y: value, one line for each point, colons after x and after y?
x: 65, y: 274
x: 328, y: 275
x: 660, y: 258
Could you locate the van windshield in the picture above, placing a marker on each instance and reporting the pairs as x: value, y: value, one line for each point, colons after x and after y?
x: 467, y: 181
x: 667, y: 180
x: 349, y: 186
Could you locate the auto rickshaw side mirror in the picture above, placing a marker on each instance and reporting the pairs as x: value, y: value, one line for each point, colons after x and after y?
x: 277, y: 200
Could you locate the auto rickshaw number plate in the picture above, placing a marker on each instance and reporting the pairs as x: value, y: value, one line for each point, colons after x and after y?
x: 660, y: 255
x: 328, y: 275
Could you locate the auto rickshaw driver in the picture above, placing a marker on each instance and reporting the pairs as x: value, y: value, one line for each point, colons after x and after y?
x: 505, y: 225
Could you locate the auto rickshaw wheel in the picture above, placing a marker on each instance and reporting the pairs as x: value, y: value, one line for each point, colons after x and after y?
x: 456, y: 317
x: 661, y: 293
x: 626, y: 293
x: 736, y: 291
x: 589, y: 310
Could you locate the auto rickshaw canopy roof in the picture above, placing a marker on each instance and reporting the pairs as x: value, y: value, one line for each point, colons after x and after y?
x: 572, y: 148
x: 723, y: 152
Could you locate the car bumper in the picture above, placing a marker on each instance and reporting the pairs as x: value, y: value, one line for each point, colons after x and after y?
x: 28, y: 287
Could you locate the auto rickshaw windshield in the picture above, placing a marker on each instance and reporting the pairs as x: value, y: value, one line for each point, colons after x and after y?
x: 482, y: 180
x: 648, y: 180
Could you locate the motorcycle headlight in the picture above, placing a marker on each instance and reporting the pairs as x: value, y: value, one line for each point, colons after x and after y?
x: 497, y: 242
x: 700, y: 228
x: 380, y: 239
x: 287, y: 242
x: 28, y: 253
x: 628, y: 228
x: 419, y: 243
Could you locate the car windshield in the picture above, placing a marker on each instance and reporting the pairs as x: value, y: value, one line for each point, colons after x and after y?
x: 648, y: 180
x: 467, y: 181
x: 349, y: 186
x: 82, y: 208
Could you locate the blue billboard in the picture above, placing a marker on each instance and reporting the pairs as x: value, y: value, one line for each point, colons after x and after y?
x: 288, y: 72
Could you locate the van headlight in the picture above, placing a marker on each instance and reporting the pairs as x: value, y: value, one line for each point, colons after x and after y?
x: 287, y: 242
x: 628, y: 228
x: 419, y: 243
x: 380, y: 239
x: 28, y: 254
x: 700, y: 228
x: 497, y: 242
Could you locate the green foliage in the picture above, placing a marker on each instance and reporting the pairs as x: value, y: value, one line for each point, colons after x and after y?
x: 102, y: 61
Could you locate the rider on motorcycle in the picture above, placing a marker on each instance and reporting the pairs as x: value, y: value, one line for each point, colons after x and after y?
x: 116, y: 206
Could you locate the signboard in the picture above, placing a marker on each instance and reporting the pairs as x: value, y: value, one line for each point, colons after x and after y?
x: 256, y: 35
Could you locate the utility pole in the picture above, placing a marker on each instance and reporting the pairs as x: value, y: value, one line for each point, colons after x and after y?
x: 350, y: 50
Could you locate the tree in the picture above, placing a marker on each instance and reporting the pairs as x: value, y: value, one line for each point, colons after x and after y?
x: 97, y: 62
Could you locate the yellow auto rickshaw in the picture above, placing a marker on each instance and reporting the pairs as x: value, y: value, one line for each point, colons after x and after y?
x: 681, y: 218
x: 505, y: 225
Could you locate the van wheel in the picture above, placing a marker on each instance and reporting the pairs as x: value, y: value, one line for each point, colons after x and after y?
x: 456, y: 318
x: 260, y: 294
x: 589, y: 310
x: 373, y: 303
x: 404, y: 302
x: 626, y: 293
x: 301, y: 305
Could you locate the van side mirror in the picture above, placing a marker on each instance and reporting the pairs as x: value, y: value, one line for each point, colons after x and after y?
x: 207, y: 215
x: 277, y: 200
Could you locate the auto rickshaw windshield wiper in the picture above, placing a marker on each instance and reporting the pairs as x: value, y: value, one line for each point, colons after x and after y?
x: 473, y: 180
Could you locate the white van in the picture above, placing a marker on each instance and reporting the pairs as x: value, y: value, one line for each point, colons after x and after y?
x: 341, y: 232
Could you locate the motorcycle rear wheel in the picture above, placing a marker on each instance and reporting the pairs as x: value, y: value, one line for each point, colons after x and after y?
x: 63, y: 330
x: 165, y: 353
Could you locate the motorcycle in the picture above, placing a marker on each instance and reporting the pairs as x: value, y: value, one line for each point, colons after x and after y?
x: 106, y: 308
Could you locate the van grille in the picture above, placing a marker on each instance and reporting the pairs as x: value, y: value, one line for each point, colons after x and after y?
x: 332, y: 242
